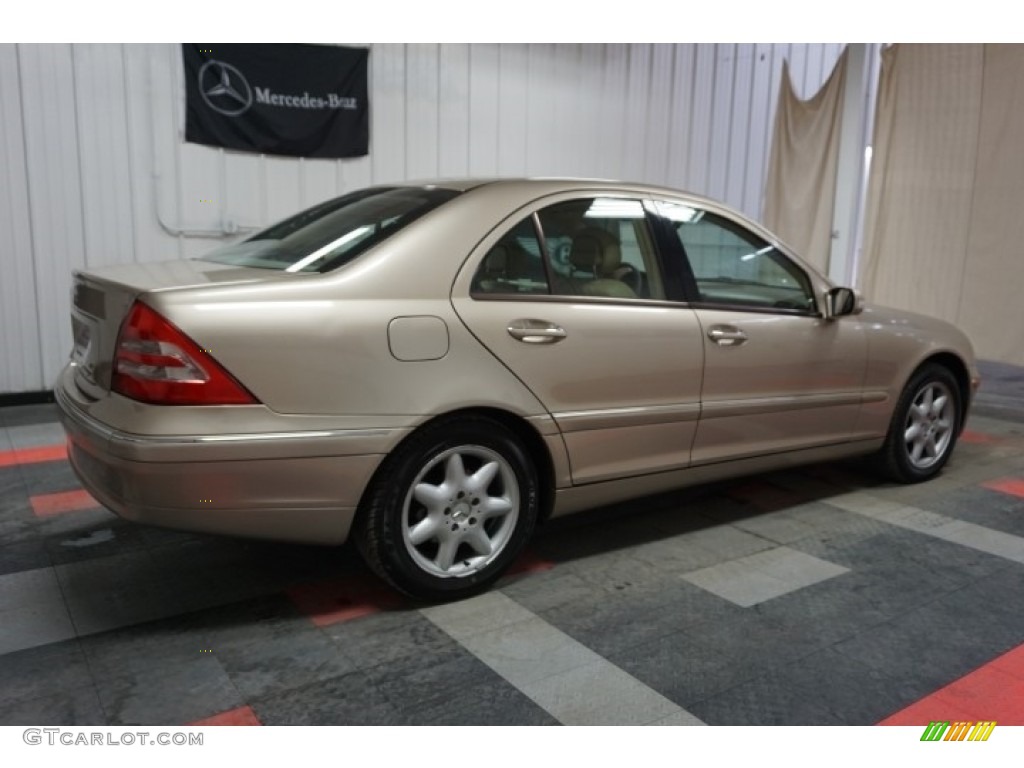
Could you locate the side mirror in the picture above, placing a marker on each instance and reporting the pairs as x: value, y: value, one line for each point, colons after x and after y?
x: 843, y: 301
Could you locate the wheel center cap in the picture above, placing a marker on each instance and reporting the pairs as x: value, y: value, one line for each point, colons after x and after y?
x: 460, y: 511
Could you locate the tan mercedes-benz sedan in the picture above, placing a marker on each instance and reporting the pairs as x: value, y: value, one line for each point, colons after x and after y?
x: 435, y: 368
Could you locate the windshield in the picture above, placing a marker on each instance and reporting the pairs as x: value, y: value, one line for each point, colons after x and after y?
x: 333, y: 233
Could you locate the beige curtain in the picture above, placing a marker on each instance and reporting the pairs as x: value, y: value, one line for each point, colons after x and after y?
x: 801, y: 186
x: 991, y: 308
x: 945, y: 211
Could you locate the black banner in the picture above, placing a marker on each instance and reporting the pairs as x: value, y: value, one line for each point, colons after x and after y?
x: 298, y: 100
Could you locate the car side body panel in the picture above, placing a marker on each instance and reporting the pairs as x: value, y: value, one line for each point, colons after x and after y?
x: 348, y: 364
x: 899, y: 342
x: 795, y: 382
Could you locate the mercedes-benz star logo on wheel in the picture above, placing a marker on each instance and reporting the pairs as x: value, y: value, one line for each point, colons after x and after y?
x: 224, y: 88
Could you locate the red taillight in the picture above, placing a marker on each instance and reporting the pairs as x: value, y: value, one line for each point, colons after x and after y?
x: 157, y: 363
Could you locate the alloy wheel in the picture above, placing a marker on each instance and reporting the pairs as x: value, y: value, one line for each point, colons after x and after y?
x: 460, y: 511
x: 928, y: 430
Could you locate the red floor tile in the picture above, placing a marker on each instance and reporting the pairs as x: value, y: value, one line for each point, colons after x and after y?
x: 49, y: 504
x: 337, y: 600
x: 1010, y: 485
x: 33, y: 455
x: 1011, y: 664
x: 529, y: 563
x: 240, y: 716
x: 994, y: 691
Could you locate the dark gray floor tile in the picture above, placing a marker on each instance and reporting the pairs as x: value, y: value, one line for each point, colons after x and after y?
x: 553, y: 589
x: 14, y: 507
x: 852, y: 692
x: 616, y: 572
x: 393, y: 639
x: 38, y: 672
x: 992, y: 509
x: 13, y: 495
x: 23, y: 556
x: 73, y: 526
x: 795, y: 694
x: 235, y: 569
x: 21, y: 415
x: 157, y: 537
x: 953, y: 563
x: 121, y: 590
x: 893, y: 588
x: 143, y: 649
x: 262, y: 620
x: 996, y: 599
x: 824, y: 612
x: 76, y: 706
x: 925, y: 649
x: 491, y: 703
x: 347, y: 700
x: 615, y: 623
x: 612, y: 530
x: 212, y: 572
x: 766, y: 699
x: 49, y: 477
x: 112, y: 536
x: 423, y: 682
x: 681, y: 670
x: 972, y: 618
x: 17, y: 531
x: 288, y: 661
x: 754, y: 639
x: 177, y: 693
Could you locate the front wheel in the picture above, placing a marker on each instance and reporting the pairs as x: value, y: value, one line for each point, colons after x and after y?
x: 924, y: 427
x: 450, y: 509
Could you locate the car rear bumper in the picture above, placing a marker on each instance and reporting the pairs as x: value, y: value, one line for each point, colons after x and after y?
x: 296, y: 486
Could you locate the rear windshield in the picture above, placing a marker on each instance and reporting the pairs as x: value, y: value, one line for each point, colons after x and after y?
x: 333, y: 233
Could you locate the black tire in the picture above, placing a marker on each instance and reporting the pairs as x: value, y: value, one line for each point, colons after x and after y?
x: 390, y: 510
x: 897, y: 457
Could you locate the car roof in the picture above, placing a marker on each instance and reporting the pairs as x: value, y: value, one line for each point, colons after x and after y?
x: 557, y: 184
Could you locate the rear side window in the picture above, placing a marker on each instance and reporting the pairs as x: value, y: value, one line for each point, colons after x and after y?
x: 586, y: 247
x: 333, y: 233
x: 514, y: 265
x: 601, y: 246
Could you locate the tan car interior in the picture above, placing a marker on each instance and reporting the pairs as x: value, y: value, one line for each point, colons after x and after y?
x: 598, y: 253
x: 593, y: 266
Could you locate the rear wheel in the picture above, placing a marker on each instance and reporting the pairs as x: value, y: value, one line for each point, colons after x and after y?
x: 924, y: 427
x: 450, y: 509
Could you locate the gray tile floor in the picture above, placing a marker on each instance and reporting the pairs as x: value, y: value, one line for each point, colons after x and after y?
x: 814, y: 596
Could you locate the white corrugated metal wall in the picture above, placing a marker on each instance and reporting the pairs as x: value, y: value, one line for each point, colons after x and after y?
x: 93, y: 168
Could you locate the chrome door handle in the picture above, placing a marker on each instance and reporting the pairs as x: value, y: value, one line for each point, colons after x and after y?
x: 726, y: 335
x: 530, y: 331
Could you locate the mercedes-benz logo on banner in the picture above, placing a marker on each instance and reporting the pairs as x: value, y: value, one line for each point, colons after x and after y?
x: 224, y: 88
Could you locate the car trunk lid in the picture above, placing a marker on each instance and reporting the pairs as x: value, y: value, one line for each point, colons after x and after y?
x: 101, y: 298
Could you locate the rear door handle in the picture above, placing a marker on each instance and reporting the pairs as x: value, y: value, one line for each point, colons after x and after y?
x: 530, y: 331
x: 726, y: 335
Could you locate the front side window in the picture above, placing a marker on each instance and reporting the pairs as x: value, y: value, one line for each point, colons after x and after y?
x: 333, y: 233
x: 734, y: 267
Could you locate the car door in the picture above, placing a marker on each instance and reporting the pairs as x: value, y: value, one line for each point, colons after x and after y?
x: 568, y: 294
x: 778, y: 375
